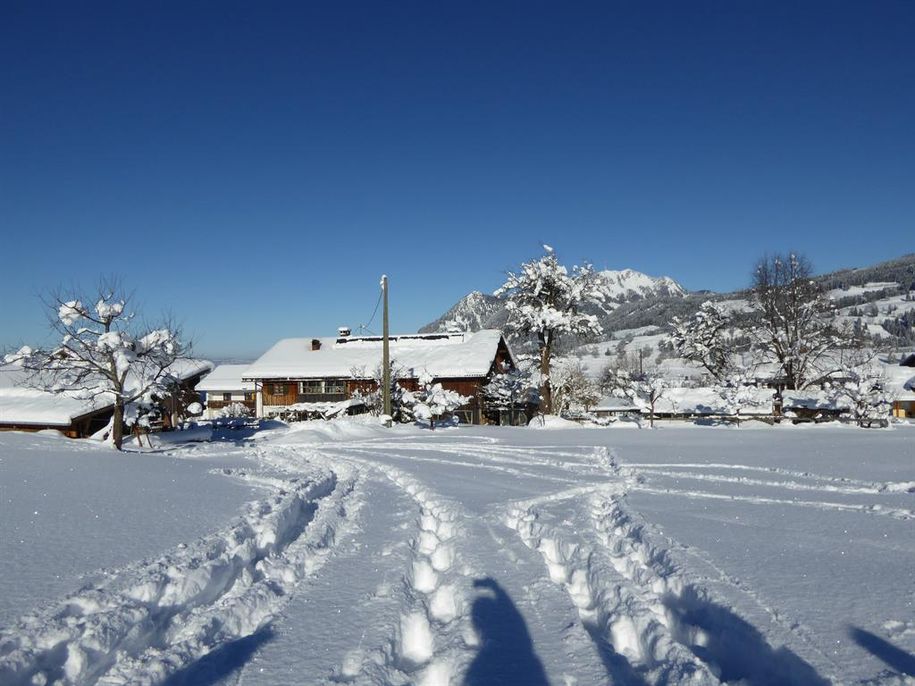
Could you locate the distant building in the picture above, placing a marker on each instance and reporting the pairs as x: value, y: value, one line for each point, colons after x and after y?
x: 223, y: 387
x: 901, y: 384
x: 30, y: 409
x: 305, y: 372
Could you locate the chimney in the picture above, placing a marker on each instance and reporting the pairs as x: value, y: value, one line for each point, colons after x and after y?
x: 344, y: 331
x: 315, y: 344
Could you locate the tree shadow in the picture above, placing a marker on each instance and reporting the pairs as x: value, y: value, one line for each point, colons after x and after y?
x: 720, y: 638
x: 217, y: 665
x: 506, y: 654
x: 896, y: 658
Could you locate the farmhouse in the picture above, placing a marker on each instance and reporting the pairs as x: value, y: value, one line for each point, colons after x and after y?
x: 224, y: 387
x: 302, y: 372
x: 76, y: 415
x: 901, y: 384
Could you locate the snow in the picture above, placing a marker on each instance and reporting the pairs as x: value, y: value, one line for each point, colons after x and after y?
x: 699, y: 401
x: 226, y: 378
x: 441, y: 355
x: 861, y: 290
x: 73, y: 510
x: 478, y: 555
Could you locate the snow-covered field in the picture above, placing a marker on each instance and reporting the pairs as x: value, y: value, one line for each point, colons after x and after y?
x: 344, y: 552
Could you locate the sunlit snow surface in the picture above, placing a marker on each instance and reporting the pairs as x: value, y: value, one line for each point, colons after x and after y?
x: 682, y: 555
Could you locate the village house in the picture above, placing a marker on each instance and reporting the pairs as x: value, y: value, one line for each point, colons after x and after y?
x: 30, y: 409
x: 223, y: 387
x: 298, y: 373
x: 901, y: 383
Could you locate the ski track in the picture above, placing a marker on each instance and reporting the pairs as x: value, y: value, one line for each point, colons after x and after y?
x: 665, y: 623
x: 875, y: 509
x: 151, y: 619
x: 653, y: 616
x: 825, y: 483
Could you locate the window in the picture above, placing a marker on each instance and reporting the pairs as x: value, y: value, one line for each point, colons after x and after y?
x: 312, y: 387
x: 334, y: 386
x: 319, y: 387
x: 226, y: 397
x: 279, y: 389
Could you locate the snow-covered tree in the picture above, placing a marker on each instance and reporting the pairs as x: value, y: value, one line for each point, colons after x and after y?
x: 432, y: 401
x: 544, y: 300
x: 644, y: 389
x: 737, y: 391
x: 370, y: 384
x: 795, y: 318
x: 573, y: 388
x: 703, y: 339
x: 105, y: 354
x: 864, y: 391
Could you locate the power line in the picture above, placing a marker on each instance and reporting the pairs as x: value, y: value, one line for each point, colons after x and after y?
x: 365, y: 327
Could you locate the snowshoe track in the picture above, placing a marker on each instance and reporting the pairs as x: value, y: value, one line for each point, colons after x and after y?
x: 153, y: 619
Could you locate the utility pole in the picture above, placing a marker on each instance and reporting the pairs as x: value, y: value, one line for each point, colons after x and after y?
x: 385, y: 350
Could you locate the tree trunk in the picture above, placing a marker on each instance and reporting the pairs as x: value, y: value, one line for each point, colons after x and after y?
x: 117, y: 426
x: 546, y: 389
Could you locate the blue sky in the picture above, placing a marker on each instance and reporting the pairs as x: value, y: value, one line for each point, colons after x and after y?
x: 255, y: 167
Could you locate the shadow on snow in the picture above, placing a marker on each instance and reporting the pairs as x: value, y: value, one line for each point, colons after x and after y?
x: 898, y: 659
x: 506, y: 654
x: 735, y: 648
x: 222, y: 662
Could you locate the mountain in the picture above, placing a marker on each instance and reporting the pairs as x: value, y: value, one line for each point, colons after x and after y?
x: 627, y: 285
x: 880, y: 297
x: 473, y: 312
x: 478, y: 310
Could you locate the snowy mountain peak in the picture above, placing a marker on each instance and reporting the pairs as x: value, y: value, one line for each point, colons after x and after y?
x: 628, y: 284
x: 471, y: 313
x: 478, y: 310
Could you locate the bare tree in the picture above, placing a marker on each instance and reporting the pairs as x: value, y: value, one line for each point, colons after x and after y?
x: 544, y: 301
x: 795, y: 318
x: 104, y: 353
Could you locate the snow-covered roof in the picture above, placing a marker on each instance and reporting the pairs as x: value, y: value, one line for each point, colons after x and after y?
x: 441, y: 355
x: 19, y: 405
x: 812, y: 400
x: 30, y: 406
x: 708, y: 401
x: 900, y: 382
x: 613, y: 404
x: 226, y: 377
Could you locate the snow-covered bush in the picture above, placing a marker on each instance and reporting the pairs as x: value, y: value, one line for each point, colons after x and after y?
x: 737, y: 391
x: 233, y: 411
x: 864, y: 392
x: 644, y: 389
x: 544, y: 300
x: 370, y: 393
x: 432, y: 401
